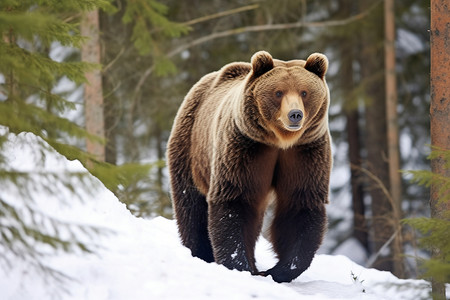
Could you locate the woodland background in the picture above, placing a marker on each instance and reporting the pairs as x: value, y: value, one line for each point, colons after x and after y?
x: 101, y: 81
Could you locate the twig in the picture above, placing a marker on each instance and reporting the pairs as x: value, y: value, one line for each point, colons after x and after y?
x: 220, y: 14
x: 111, y: 63
x: 377, y: 181
x: 374, y: 256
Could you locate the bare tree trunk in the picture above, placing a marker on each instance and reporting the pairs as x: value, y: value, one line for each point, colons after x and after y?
x: 163, y: 199
x: 392, y: 130
x: 109, y: 111
x: 384, y: 224
x: 347, y: 82
x: 110, y: 126
x: 439, y: 109
x: 93, y: 96
x: 10, y: 38
x: 360, y: 231
x: 112, y: 41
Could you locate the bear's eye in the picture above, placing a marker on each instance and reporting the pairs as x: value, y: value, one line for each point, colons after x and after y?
x: 279, y: 94
x: 303, y: 93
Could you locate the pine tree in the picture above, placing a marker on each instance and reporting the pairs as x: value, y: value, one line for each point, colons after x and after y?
x: 29, y: 102
x: 437, y: 227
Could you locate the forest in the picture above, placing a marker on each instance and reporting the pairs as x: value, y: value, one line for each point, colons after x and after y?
x: 102, y: 80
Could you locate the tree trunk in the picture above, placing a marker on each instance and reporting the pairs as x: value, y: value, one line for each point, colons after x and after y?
x: 163, y: 200
x: 113, y: 42
x: 383, y: 224
x: 110, y: 125
x: 360, y: 231
x: 93, y: 96
x: 347, y: 82
x: 439, y: 108
x: 392, y: 129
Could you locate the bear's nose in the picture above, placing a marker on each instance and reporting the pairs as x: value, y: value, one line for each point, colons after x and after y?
x: 295, y: 115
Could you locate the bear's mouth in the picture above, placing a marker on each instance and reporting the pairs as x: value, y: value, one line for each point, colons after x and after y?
x: 293, y: 127
x: 289, y: 126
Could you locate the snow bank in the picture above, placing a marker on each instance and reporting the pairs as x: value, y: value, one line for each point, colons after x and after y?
x: 144, y: 259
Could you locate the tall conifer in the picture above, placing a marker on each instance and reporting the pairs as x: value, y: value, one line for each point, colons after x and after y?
x: 29, y: 102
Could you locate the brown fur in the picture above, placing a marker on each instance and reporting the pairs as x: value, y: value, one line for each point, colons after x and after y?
x: 234, y: 141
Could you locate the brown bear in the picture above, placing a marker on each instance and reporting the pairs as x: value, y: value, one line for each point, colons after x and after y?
x: 246, y: 135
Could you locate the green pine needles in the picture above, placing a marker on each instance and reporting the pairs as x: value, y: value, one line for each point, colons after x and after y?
x: 149, y: 23
x: 435, y: 231
x: 29, y: 74
x: 29, y: 29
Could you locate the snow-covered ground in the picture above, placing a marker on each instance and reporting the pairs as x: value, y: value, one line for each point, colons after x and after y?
x: 144, y: 259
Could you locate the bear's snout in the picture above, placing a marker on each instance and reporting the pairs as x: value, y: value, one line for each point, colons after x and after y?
x: 295, y: 116
x: 292, y: 112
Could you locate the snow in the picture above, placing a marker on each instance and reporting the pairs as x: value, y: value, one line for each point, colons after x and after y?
x: 144, y: 259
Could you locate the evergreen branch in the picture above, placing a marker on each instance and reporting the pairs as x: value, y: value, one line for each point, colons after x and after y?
x: 57, y: 102
x: 76, y: 6
x: 437, y: 269
x: 29, y: 232
x: 36, y: 69
x: 435, y: 230
x: 435, y: 233
x: 19, y: 117
x: 11, y: 174
x: 428, y: 178
x: 47, y: 27
x: 440, y: 153
x: 147, y: 15
x: 22, y: 240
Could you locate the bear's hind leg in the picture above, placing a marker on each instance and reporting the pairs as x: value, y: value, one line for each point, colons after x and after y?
x: 191, y: 212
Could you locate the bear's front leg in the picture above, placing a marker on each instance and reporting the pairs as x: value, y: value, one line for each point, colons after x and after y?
x: 296, y: 236
x: 233, y: 229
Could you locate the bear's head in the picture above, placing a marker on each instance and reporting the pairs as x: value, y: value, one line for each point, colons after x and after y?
x: 292, y: 97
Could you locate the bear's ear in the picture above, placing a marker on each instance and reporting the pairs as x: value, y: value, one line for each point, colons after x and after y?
x: 318, y: 64
x: 261, y: 63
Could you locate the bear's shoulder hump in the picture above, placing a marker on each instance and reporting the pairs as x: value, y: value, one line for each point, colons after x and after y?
x: 234, y: 71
